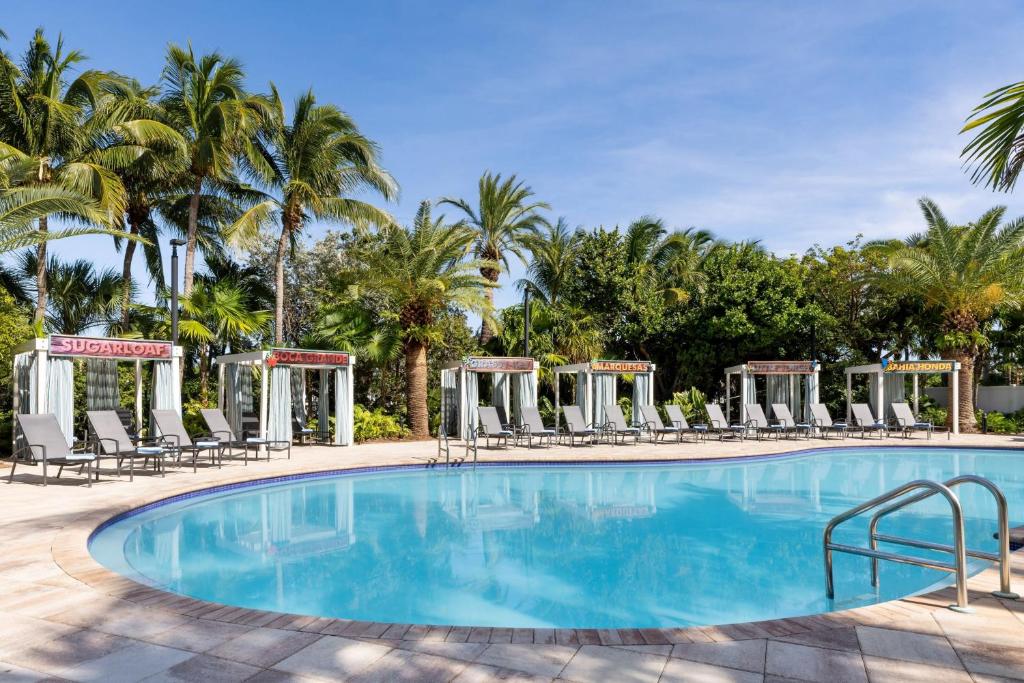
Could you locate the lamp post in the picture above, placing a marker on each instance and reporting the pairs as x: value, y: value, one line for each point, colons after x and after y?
x: 174, y: 289
x: 526, y: 321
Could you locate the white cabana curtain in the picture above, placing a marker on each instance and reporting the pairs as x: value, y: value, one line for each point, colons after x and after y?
x: 245, y: 381
x: 166, y: 392
x: 583, y: 394
x: 810, y: 392
x: 60, y: 394
x: 299, y: 395
x: 895, y: 388
x: 279, y: 418
x: 323, y: 406
x: 500, y: 394
x: 604, y: 394
x: 449, y: 401
x: 344, y: 419
x: 751, y: 394
x: 641, y: 394
x: 23, y: 363
x: 778, y: 392
x: 101, y: 390
x: 524, y: 394
x: 233, y: 396
x: 470, y: 418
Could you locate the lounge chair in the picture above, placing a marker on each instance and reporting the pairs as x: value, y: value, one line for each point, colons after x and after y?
x: 222, y: 431
x: 172, y: 430
x: 112, y: 441
x: 492, y: 428
x: 576, y: 426
x: 785, y: 418
x: 823, y: 421
x: 718, y: 423
x: 301, y: 432
x: 655, y: 427
x: 866, y: 422
x: 907, y: 423
x: 678, y: 420
x: 45, y: 443
x: 533, y: 426
x: 503, y: 418
x: 760, y: 424
x: 616, y: 426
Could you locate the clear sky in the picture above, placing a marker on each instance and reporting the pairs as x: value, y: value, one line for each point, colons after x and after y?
x: 787, y: 122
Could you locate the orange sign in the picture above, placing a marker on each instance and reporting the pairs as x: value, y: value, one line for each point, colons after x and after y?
x: 620, y: 366
x: 499, y: 364
x: 91, y: 347
x: 302, y: 357
x: 781, y: 367
x: 910, y: 366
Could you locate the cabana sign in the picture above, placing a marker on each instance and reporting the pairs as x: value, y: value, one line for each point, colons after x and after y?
x: 620, y: 366
x: 781, y: 367
x: 299, y: 357
x: 915, y: 366
x: 91, y: 347
x: 489, y: 364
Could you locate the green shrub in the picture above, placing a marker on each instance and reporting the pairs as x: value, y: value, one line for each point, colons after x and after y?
x: 191, y: 417
x: 692, y: 402
x: 1000, y: 423
x: 933, y: 414
x: 376, y: 424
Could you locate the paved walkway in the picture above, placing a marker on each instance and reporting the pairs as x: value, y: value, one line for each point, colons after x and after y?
x: 64, y: 617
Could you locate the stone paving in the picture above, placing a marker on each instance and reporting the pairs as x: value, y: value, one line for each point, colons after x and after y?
x: 67, y: 618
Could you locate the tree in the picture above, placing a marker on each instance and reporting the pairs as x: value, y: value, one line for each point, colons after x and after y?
x: 671, y: 260
x: 504, y: 220
x: 80, y: 297
x: 965, y: 273
x: 418, y: 273
x: 553, y: 254
x: 22, y: 207
x: 995, y: 156
x: 46, y: 137
x: 311, y: 164
x: 206, y: 102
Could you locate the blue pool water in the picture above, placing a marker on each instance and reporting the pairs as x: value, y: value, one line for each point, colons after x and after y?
x: 575, y: 546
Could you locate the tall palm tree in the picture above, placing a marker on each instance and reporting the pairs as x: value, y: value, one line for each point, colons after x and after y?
x: 419, y: 272
x: 965, y: 273
x: 206, y: 102
x: 22, y: 207
x: 46, y: 135
x: 553, y: 256
x: 81, y: 297
x: 313, y: 162
x: 504, y: 219
x: 672, y: 258
x: 995, y: 156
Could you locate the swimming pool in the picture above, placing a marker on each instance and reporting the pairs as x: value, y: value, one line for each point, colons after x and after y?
x: 556, y: 546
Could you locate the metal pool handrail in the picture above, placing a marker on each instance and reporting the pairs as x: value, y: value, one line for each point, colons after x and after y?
x: 1003, y: 557
x: 959, y: 566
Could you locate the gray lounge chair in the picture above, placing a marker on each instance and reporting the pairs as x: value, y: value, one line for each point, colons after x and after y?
x: 533, y: 426
x: 492, y: 428
x: 760, y: 424
x: 907, y: 423
x: 823, y: 421
x: 717, y: 423
x: 45, y: 443
x: 577, y: 427
x: 222, y: 431
x: 678, y: 420
x: 172, y: 430
x: 112, y: 441
x: 655, y: 427
x: 617, y: 426
x: 785, y: 418
x: 866, y: 422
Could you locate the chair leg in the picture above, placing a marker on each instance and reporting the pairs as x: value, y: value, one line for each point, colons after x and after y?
x: 44, y: 472
x: 14, y: 463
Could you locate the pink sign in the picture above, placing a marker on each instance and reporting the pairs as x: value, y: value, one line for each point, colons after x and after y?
x: 61, y: 345
x: 300, y: 357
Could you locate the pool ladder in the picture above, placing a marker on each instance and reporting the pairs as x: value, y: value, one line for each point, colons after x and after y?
x: 959, y: 551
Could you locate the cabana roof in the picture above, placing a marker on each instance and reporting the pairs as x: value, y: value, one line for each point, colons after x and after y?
x: 110, y: 348
x: 889, y: 370
x: 618, y: 367
x: 906, y: 367
x: 298, y: 358
x: 506, y: 364
x: 775, y: 367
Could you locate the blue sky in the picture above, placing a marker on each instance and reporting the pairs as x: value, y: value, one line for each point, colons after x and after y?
x: 788, y: 122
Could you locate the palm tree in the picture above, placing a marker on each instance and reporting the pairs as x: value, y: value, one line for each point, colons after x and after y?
x: 965, y: 273
x: 46, y: 136
x: 995, y: 156
x: 80, y: 297
x: 554, y: 254
x: 419, y: 272
x: 672, y: 259
x: 313, y: 162
x: 206, y: 102
x: 22, y: 207
x: 504, y: 220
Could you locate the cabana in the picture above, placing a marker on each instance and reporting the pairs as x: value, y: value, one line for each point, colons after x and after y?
x: 513, y: 386
x: 794, y: 383
x: 596, y: 387
x: 887, y: 384
x: 44, y: 376
x: 283, y: 390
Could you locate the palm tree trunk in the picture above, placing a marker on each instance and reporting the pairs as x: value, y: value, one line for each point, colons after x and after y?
x: 204, y: 373
x: 41, y: 285
x: 486, y: 333
x: 416, y: 388
x: 282, y: 247
x: 968, y: 423
x: 126, y: 275
x: 190, y: 237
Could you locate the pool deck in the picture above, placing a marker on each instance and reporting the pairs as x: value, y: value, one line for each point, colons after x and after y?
x: 67, y: 618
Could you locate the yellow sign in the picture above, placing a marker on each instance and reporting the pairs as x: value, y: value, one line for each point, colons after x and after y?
x: 911, y: 366
x: 622, y: 366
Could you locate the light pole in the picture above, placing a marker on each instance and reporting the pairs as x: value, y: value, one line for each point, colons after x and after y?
x: 526, y: 321
x: 174, y: 289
